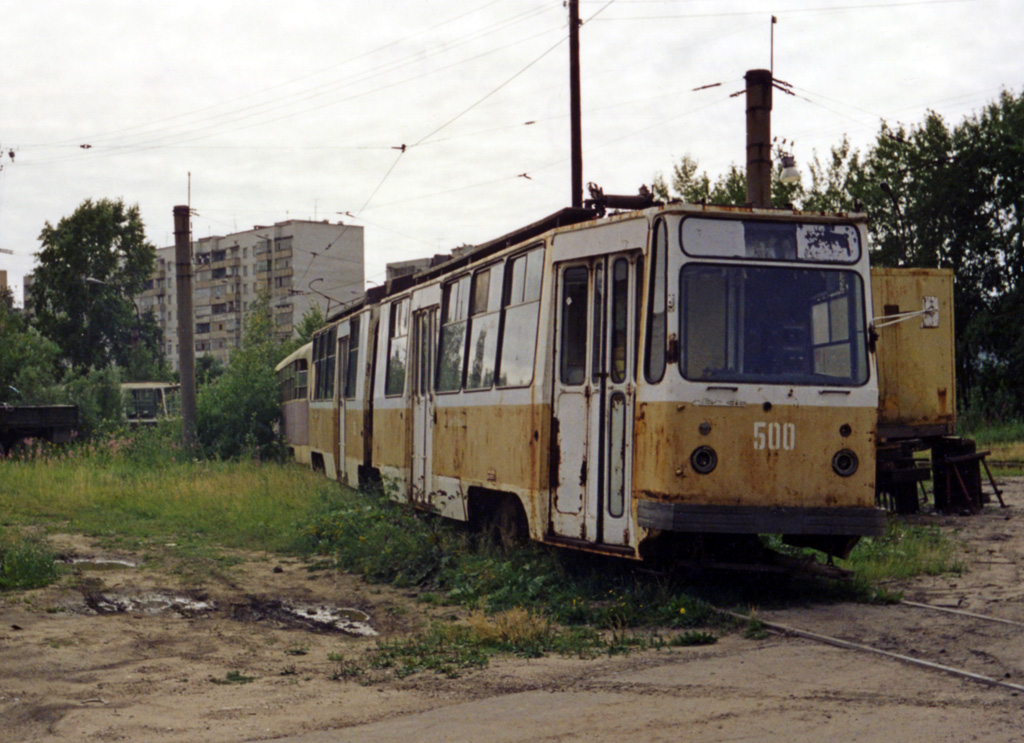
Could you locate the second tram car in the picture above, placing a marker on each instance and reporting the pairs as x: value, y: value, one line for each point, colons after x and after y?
x: 612, y: 383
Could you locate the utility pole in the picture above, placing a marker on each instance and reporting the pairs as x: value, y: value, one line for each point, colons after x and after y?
x: 574, y: 103
x: 186, y: 346
x: 759, y: 138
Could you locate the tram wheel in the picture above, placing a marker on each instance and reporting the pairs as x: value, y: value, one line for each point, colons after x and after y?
x: 508, y: 527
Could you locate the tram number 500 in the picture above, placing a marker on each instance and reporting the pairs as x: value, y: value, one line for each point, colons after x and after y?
x: 774, y: 436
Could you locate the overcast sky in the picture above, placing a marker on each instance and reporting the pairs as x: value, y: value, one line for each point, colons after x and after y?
x: 295, y: 110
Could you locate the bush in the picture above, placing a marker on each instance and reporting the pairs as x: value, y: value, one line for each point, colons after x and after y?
x: 237, y: 414
x: 97, y: 393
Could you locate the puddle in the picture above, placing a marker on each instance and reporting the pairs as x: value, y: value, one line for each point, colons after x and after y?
x: 102, y: 562
x: 148, y: 603
x: 309, y: 617
x: 306, y: 616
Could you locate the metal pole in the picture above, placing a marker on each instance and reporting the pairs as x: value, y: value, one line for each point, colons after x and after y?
x: 186, y: 346
x: 574, y: 103
x: 759, y: 138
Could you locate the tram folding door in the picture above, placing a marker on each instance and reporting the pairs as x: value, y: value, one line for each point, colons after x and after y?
x: 594, y: 391
x: 339, y: 396
x: 422, y: 398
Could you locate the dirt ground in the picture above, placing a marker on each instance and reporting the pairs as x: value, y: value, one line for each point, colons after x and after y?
x: 150, y: 652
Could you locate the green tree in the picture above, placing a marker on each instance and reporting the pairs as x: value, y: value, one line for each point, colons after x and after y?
x: 208, y: 369
x: 312, y: 320
x: 237, y: 414
x: 89, y: 268
x: 695, y: 187
x: 28, y: 361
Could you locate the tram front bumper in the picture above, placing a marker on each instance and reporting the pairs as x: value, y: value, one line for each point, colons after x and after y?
x: 705, y: 519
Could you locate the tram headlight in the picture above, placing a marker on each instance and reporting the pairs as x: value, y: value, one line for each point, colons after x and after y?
x: 703, y: 460
x: 845, y: 462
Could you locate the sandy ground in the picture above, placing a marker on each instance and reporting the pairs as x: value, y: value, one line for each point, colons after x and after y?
x: 122, y: 652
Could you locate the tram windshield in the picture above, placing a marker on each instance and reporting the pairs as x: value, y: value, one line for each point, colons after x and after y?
x: 774, y: 325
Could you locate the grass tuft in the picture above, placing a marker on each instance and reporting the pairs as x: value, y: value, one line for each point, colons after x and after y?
x: 26, y: 563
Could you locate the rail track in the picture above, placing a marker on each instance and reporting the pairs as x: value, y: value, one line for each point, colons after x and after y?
x: 925, y: 647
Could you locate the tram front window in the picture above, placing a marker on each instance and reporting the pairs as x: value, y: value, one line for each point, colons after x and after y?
x: 773, y: 325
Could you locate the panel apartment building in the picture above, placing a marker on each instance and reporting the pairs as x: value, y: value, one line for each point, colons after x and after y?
x: 296, y: 263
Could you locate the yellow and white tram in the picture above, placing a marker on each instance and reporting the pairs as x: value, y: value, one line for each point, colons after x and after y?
x: 605, y: 383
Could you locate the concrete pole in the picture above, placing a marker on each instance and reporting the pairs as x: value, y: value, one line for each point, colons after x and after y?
x: 759, y: 138
x: 186, y: 345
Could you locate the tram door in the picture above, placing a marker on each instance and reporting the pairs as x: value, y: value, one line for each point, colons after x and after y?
x: 339, y: 397
x: 594, y: 397
x: 422, y: 397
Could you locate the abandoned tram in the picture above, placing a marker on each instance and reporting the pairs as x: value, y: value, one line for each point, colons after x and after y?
x: 612, y: 383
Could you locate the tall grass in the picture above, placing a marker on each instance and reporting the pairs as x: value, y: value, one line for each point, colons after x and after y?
x: 904, y: 551
x: 25, y: 563
x: 140, y: 487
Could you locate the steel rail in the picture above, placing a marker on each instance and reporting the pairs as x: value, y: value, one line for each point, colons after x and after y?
x: 962, y: 613
x: 848, y: 645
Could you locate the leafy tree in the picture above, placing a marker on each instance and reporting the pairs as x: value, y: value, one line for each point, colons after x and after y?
x: 728, y: 190
x: 208, y: 369
x: 238, y: 413
x: 312, y: 320
x: 832, y: 187
x: 89, y: 267
x: 28, y: 361
x: 97, y: 393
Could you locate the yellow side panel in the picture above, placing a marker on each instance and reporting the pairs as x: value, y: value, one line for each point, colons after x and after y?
x: 505, y: 445
x: 390, y: 439
x: 779, y: 457
x: 323, y: 429
x: 916, y: 375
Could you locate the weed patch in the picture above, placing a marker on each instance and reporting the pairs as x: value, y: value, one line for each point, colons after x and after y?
x: 26, y: 563
x: 905, y: 550
x: 233, y: 677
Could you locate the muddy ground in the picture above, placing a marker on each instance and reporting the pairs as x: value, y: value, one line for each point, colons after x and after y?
x: 141, y: 647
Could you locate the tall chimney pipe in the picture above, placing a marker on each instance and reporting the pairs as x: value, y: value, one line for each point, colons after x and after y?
x: 186, y: 347
x: 759, y: 138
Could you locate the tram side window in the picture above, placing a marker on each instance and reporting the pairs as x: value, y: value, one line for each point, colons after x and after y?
x: 454, y: 318
x: 293, y: 379
x: 353, y: 359
x: 483, y: 328
x: 398, y: 335
x: 657, y: 320
x: 620, y: 317
x: 301, y: 388
x: 520, y: 312
x: 572, y: 364
x: 324, y: 351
